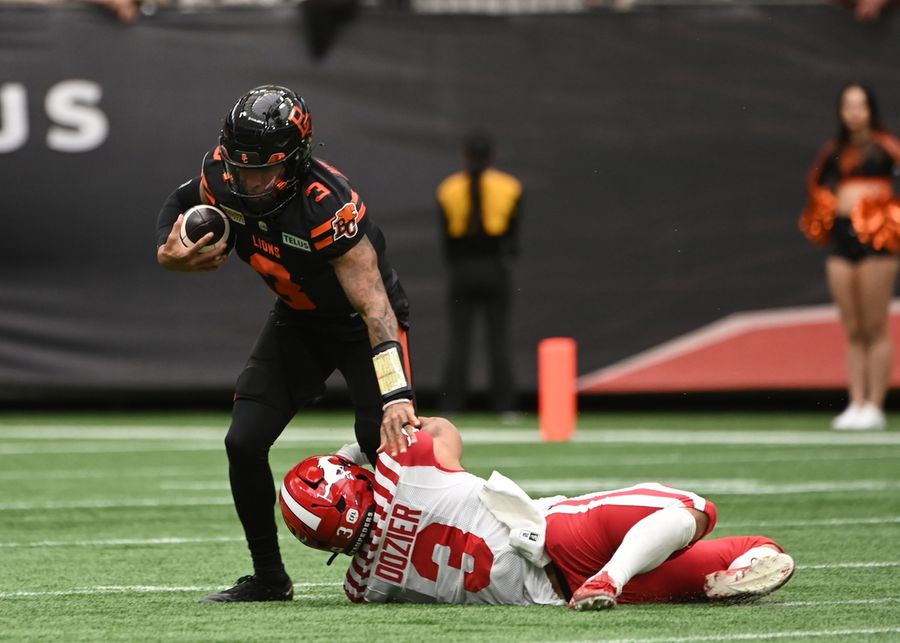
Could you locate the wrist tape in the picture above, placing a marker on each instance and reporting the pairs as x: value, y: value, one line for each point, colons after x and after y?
x: 390, y: 370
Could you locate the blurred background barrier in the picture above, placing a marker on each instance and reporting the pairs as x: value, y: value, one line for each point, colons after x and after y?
x: 662, y: 150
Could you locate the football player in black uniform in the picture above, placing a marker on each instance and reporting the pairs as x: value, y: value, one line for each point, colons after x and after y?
x: 299, y: 223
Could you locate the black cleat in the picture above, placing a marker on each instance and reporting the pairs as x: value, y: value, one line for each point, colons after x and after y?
x: 250, y: 588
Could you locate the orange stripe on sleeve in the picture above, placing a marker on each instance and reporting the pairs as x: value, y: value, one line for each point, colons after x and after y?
x: 324, y: 243
x: 320, y: 230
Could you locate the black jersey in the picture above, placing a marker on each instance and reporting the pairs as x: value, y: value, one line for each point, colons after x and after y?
x: 878, y: 158
x: 291, y: 251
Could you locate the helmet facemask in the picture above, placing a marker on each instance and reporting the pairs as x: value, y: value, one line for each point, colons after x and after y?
x: 262, y: 188
x: 266, y: 144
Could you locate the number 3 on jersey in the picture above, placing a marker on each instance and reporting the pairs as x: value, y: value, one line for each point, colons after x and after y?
x: 460, y: 543
x: 279, y: 279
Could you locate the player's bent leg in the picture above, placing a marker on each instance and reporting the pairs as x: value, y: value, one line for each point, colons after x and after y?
x: 758, y: 572
x: 645, y: 546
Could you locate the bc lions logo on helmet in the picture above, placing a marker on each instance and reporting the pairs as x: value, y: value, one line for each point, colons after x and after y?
x: 345, y: 223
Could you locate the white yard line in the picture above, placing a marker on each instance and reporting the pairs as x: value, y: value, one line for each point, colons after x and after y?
x: 793, y: 634
x: 472, y: 435
x: 500, y: 463
x: 823, y: 522
x: 164, y: 432
x: 122, y: 542
x: 150, y: 473
x: 534, y: 486
x: 139, y: 589
x: 676, y: 458
x: 162, y: 589
x: 88, y: 447
x: 888, y: 563
x: 114, y: 504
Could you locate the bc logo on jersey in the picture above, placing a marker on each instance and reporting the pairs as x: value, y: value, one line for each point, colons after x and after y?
x: 345, y: 221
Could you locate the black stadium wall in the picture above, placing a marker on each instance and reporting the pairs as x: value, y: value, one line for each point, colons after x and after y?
x: 663, y: 154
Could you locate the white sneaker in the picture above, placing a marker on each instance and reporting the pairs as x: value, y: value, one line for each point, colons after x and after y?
x: 763, y: 576
x: 869, y: 418
x: 847, y: 420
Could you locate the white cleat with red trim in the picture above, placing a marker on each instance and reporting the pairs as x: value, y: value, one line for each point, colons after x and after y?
x: 763, y: 576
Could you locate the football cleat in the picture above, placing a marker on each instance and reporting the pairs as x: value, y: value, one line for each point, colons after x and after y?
x: 598, y: 593
x: 250, y: 588
x: 763, y: 576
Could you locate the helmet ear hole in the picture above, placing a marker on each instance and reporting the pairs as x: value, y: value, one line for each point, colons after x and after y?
x: 341, y: 505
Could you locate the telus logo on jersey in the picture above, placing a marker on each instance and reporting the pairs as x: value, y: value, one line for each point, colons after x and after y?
x: 295, y: 242
x: 398, y: 542
x: 79, y: 125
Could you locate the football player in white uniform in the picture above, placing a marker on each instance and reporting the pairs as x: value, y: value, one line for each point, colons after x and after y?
x: 421, y: 529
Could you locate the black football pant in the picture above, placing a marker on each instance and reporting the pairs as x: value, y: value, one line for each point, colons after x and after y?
x: 479, y: 287
x: 286, y: 370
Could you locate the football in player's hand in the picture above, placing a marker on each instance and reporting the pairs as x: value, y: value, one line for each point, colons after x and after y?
x: 203, y: 219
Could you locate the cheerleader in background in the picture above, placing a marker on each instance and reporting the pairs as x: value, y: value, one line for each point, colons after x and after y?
x: 852, y: 210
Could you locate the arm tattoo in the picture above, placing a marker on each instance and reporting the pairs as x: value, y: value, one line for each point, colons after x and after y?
x: 357, y: 271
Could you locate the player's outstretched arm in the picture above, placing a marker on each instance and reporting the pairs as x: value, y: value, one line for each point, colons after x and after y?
x: 357, y: 271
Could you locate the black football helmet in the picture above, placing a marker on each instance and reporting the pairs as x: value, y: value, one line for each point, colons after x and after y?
x: 266, y: 144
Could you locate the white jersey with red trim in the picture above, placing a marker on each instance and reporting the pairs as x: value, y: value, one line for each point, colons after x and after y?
x: 434, y: 541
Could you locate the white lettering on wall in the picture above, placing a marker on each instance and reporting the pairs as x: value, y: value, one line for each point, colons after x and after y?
x: 73, y: 104
x: 13, y: 116
x: 77, y: 122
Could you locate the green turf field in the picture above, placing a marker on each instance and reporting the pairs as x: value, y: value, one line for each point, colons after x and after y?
x: 113, y: 526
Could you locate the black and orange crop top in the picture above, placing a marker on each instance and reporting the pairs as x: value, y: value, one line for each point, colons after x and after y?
x: 878, y: 158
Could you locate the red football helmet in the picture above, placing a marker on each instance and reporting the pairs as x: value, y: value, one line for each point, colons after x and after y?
x: 328, y: 503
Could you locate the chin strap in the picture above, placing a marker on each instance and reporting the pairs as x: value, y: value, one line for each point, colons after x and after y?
x: 364, y: 531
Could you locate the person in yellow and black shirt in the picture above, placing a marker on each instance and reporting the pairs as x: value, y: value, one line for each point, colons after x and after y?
x: 479, y: 214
